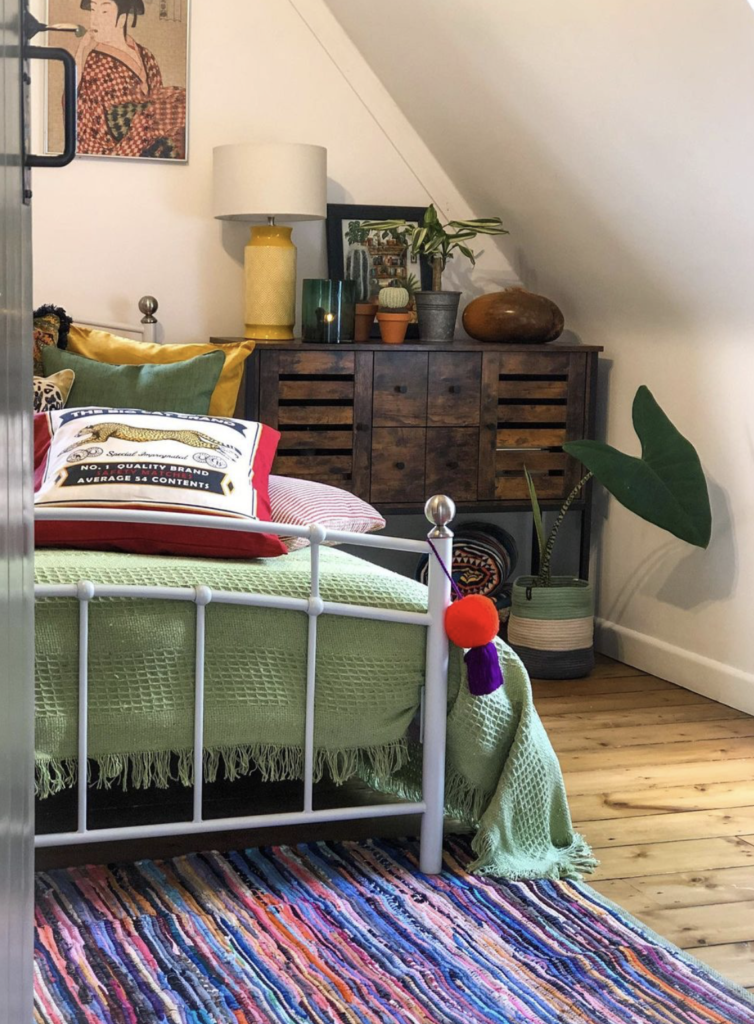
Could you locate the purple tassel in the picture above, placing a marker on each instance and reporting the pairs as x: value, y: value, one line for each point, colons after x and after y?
x: 483, y: 670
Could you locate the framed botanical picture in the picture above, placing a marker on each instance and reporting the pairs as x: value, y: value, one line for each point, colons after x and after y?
x: 376, y: 259
x: 132, y: 64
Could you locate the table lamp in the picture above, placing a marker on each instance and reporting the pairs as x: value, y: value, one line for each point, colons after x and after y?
x: 258, y: 183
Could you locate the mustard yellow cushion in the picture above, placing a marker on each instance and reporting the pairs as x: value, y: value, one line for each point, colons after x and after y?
x: 109, y: 348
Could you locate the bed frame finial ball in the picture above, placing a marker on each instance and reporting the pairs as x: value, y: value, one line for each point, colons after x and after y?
x: 440, y: 510
x: 148, y: 305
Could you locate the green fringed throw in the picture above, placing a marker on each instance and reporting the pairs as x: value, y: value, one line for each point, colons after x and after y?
x: 503, y: 779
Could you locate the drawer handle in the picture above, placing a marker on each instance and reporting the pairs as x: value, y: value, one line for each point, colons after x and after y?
x: 454, y: 389
x: 400, y: 389
x: 400, y: 465
x: 451, y: 465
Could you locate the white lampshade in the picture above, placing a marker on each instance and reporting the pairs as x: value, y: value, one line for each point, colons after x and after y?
x: 253, y: 181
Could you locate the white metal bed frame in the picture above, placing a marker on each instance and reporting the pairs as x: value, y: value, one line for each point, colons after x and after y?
x: 440, y: 511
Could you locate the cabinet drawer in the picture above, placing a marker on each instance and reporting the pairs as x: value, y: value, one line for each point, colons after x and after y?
x: 453, y: 393
x: 541, y: 404
x: 340, y: 363
x: 453, y: 462
x: 398, y: 464
x: 400, y: 389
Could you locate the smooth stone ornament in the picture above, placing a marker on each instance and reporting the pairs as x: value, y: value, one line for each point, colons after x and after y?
x: 514, y: 315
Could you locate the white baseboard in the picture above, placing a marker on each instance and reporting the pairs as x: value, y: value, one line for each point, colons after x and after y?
x: 714, y: 679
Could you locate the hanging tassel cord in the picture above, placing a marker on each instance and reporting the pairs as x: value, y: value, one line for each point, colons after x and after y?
x: 456, y: 589
x: 483, y: 672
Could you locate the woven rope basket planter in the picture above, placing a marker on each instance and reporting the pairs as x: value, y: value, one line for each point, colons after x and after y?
x: 552, y: 628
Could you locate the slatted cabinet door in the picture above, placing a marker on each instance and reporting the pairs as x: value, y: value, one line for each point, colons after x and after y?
x: 321, y: 404
x: 532, y: 404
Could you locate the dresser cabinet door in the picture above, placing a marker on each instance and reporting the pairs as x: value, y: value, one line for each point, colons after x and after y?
x: 398, y: 455
x: 321, y: 404
x: 400, y: 389
x: 533, y: 403
x: 452, y: 462
x: 453, y: 389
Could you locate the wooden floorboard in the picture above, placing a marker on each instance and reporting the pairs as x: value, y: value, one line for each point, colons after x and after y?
x: 668, y: 828
x: 585, y: 742
x: 612, y: 719
x: 580, y: 704
x: 658, y: 800
x: 661, y: 783
x: 734, y: 960
x: 684, y: 889
x: 673, y: 753
x: 691, y: 773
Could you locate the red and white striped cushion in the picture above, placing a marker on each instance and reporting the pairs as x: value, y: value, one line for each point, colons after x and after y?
x: 301, y: 502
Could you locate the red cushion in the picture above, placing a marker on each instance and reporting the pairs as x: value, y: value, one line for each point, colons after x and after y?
x: 243, y: 486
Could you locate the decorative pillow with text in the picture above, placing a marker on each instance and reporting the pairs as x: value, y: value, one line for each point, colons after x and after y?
x: 129, y: 459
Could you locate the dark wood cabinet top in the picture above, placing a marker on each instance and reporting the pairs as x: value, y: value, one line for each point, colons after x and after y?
x: 458, y: 345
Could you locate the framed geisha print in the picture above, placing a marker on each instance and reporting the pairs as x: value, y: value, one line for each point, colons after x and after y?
x: 132, y: 67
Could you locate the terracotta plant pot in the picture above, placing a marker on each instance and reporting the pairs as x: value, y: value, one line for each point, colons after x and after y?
x: 365, y: 312
x: 514, y: 315
x: 393, y: 327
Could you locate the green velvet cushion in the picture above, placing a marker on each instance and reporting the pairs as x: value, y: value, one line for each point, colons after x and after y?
x: 167, y: 387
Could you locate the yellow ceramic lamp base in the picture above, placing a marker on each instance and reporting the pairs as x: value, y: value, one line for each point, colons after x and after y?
x: 270, y: 270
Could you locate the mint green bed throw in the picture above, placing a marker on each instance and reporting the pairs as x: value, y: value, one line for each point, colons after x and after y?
x: 502, y: 776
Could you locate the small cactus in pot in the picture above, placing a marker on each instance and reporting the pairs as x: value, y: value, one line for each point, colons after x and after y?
x: 393, y: 299
x: 393, y: 316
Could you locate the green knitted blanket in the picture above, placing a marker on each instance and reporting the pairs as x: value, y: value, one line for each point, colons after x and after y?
x: 503, y: 778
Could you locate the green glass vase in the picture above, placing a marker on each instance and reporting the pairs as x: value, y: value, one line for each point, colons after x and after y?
x: 328, y: 311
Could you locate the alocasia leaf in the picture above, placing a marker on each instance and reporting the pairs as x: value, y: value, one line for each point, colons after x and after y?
x: 666, y: 486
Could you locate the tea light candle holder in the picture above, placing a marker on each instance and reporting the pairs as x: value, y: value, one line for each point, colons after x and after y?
x: 328, y: 311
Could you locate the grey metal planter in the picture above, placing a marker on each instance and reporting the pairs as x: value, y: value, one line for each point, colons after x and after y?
x: 437, y: 313
x: 552, y: 628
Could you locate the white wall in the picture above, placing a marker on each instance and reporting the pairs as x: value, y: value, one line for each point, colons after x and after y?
x: 108, y: 231
x: 617, y: 139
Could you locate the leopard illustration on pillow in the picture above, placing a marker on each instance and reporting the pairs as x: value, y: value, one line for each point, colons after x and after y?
x: 51, y: 393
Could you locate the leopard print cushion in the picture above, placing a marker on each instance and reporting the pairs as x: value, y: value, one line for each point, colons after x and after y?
x: 51, y: 393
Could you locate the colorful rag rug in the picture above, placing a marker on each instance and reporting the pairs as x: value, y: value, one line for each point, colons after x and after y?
x: 351, y: 933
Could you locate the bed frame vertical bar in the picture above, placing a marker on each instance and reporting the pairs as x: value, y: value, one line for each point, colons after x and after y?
x: 203, y: 596
x: 84, y: 594
x: 316, y: 535
x: 440, y: 511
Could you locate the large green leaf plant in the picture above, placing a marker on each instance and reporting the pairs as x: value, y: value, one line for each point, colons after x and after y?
x: 664, y: 485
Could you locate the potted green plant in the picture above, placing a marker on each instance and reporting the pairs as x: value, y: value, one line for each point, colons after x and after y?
x: 393, y: 315
x: 437, y: 309
x: 551, y: 626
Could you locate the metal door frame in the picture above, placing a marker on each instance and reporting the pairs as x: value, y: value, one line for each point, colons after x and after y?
x: 16, y: 534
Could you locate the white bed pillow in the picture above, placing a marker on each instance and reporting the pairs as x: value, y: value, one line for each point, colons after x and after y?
x: 301, y: 502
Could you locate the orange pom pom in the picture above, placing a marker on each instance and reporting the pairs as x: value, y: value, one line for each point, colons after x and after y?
x: 472, y: 621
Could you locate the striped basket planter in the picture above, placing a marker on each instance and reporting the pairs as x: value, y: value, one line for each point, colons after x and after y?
x: 552, y: 628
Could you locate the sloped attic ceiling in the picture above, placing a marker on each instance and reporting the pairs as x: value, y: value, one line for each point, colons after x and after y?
x: 616, y: 139
x: 611, y: 135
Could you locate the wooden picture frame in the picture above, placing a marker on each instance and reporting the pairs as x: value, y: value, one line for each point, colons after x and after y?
x: 383, y: 259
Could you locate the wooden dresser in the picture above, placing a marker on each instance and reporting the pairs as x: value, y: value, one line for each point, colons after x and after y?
x: 395, y: 424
